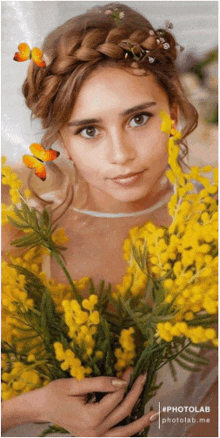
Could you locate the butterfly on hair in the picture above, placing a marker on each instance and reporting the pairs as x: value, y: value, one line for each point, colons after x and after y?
x: 40, y: 155
x: 26, y: 53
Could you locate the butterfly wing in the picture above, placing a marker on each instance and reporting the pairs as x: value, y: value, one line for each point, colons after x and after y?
x: 36, y: 55
x: 44, y: 155
x: 51, y: 155
x: 34, y: 163
x: 38, y: 151
x: 23, y: 54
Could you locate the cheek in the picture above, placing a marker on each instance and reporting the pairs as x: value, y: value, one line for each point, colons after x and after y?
x: 155, y: 147
x: 87, y: 165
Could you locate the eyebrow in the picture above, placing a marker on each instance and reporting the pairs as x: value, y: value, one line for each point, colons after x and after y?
x: 140, y: 107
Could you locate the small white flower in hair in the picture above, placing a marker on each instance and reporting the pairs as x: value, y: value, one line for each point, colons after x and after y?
x: 121, y: 14
x: 168, y: 24
x: 108, y: 12
x: 151, y: 60
x: 166, y: 46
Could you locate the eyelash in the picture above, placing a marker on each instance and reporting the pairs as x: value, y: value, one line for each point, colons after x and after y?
x: 142, y: 114
x: 79, y: 131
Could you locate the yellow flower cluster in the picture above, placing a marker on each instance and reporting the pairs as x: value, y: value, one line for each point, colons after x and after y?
x: 15, y: 302
x: 7, y: 210
x: 31, y: 259
x: 71, y: 362
x: 10, y: 178
x: 126, y: 354
x: 59, y: 237
x: 168, y: 331
x: 134, y: 280
x: 82, y: 322
x: 13, y: 290
x: 22, y: 378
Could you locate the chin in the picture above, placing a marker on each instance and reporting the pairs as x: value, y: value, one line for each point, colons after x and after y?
x: 130, y: 197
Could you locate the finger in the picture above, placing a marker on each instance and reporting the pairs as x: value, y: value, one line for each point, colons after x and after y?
x: 125, y: 408
x: 93, y: 384
x: 133, y: 428
x: 127, y: 374
x: 110, y: 401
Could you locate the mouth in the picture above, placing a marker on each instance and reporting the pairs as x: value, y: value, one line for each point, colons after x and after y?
x: 128, y: 178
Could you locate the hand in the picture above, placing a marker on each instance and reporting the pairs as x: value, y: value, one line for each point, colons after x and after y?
x: 64, y: 402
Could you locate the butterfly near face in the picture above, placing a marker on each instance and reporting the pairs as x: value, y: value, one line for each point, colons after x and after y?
x: 26, y: 53
x: 40, y: 155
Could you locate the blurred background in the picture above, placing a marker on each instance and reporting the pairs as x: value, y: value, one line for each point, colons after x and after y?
x: 195, y: 27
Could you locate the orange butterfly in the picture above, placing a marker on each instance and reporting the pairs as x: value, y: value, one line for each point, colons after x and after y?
x: 26, y: 53
x: 40, y: 155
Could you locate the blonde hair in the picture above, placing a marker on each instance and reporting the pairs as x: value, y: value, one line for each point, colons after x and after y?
x: 79, y: 46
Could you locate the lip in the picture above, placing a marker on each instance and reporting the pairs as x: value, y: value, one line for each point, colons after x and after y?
x: 128, y: 175
x: 130, y: 178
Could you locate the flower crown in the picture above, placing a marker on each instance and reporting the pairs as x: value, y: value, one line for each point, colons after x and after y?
x: 154, y: 47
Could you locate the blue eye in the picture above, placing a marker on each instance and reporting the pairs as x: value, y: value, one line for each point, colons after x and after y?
x: 89, y: 132
x: 139, y: 120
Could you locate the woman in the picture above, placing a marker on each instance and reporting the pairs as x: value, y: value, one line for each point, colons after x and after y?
x: 108, y: 75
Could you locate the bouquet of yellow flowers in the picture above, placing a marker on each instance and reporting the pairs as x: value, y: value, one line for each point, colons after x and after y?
x: 165, y: 305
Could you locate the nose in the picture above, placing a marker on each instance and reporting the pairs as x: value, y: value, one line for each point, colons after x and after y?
x: 120, y: 149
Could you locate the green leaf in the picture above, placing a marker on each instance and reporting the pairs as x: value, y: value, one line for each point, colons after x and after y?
x: 157, y: 319
x: 34, y: 219
x: 17, y: 224
x: 18, y: 212
x: 26, y: 241
x: 173, y: 356
x: 54, y: 429
x: 46, y: 218
x: 173, y: 371
x: 149, y: 287
x: 109, y: 353
x: 140, y: 256
x: 91, y: 287
x: 96, y: 370
x: 192, y: 360
x: 25, y: 210
x: 101, y: 290
x: 205, y: 320
x: 187, y: 367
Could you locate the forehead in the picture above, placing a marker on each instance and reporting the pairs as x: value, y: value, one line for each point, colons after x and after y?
x: 112, y: 87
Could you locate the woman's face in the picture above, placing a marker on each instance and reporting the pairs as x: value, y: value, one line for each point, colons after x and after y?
x: 113, y: 135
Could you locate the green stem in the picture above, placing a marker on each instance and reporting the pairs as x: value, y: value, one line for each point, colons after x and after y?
x: 174, y: 356
x: 73, y: 287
